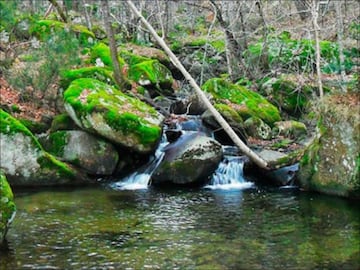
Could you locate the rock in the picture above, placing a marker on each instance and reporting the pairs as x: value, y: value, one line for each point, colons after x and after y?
x: 151, y: 73
x: 247, y: 103
x: 256, y: 128
x: 291, y: 129
x: 7, y: 206
x: 331, y: 163
x: 24, y: 161
x: 189, y: 160
x: 94, y: 155
x: 103, y: 110
x: 232, y: 118
x: 62, y: 122
x: 283, y: 176
x: 103, y: 74
x: 189, y: 105
x: 150, y: 52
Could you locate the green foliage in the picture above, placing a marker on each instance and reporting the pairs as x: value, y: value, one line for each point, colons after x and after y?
x: 60, y: 51
x: 285, y: 53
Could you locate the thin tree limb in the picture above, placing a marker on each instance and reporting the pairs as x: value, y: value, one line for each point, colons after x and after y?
x: 243, y: 147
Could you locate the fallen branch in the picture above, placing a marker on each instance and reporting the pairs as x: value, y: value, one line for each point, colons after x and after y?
x: 242, y: 146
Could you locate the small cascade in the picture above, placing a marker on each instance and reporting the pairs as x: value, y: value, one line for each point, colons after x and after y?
x: 140, y: 179
x: 229, y: 175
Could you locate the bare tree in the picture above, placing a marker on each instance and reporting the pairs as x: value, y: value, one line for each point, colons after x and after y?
x: 112, y: 44
x: 59, y: 10
x: 315, y: 15
x: 340, y: 30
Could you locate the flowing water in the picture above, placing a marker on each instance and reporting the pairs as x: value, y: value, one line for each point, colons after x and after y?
x: 254, y: 228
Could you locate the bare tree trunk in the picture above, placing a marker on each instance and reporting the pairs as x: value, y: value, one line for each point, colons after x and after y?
x: 340, y: 31
x: 87, y: 16
x: 246, y: 150
x: 59, y: 10
x: 315, y: 14
x: 112, y: 44
x: 302, y: 8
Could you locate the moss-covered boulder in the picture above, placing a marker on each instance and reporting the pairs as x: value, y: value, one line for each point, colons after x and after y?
x: 103, y: 74
x: 257, y: 128
x: 103, y: 110
x: 92, y: 154
x: 247, y: 103
x: 151, y: 73
x: 7, y: 206
x: 290, y: 128
x: 149, y: 52
x: 331, y: 163
x: 189, y: 160
x: 24, y: 161
x: 101, y: 51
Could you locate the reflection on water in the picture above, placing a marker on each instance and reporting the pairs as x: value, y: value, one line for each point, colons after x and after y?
x: 182, y: 229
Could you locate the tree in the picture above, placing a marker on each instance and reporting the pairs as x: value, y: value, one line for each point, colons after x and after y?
x: 112, y: 44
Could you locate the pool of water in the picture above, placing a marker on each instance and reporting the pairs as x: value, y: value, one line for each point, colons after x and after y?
x: 256, y: 228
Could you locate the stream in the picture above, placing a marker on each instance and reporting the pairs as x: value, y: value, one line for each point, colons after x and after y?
x: 235, y: 226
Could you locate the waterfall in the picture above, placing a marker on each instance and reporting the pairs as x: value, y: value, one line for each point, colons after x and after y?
x: 229, y: 175
x: 140, y: 179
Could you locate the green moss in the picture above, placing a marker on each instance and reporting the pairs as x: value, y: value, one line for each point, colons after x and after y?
x: 102, y: 74
x: 129, y: 123
x: 7, y: 205
x: 57, y: 142
x: 132, y: 59
x: 121, y: 112
x: 153, y: 71
x: 62, y: 122
x: 9, y: 125
x: 251, y: 103
x: 51, y: 164
x: 102, y: 51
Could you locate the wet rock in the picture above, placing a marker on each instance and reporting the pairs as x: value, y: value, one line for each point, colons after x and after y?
x: 284, y: 176
x: 189, y: 160
x: 92, y: 154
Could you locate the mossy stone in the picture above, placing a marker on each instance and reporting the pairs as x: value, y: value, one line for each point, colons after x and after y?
x: 247, y: 103
x: 102, y: 109
x: 256, y: 128
x: 24, y: 160
x: 103, y: 74
x: 151, y: 72
x: 62, y: 122
x: 7, y: 206
x: 291, y: 128
x: 102, y: 51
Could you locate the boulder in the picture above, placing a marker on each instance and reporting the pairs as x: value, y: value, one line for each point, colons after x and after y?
x: 246, y: 102
x: 7, y: 206
x: 232, y: 118
x: 103, y: 110
x: 191, y: 159
x: 256, y: 128
x: 24, y: 161
x: 331, y: 164
x: 290, y: 128
x: 92, y: 154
